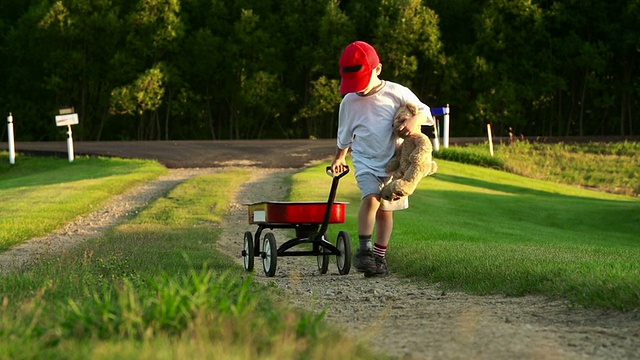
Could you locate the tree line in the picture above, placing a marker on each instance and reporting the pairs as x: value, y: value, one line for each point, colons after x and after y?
x: 248, y: 69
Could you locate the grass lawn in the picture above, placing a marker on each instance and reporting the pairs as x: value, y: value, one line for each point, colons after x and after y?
x: 39, y: 195
x: 485, y: 231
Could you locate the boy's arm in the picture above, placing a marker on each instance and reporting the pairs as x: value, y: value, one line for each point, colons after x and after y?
x: 413, y: 125
x: 339, y: 163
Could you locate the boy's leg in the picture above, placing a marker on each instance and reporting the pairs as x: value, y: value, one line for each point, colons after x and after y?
x: 367, y: 214
x: 371, y: 216
x: 384, y: 228
x: 364, y: 260
x: 379, y: 214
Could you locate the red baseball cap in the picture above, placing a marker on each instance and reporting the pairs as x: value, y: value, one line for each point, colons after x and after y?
x: 357, y: 62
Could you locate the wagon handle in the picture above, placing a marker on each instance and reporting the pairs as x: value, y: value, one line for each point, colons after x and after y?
x: 330, y: 201
x: 339, y: 176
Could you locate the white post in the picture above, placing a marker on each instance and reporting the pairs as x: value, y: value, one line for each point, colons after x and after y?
x: 490, y: 139
x: 70, y: 143
x: 67, y: 118
x: 436, y: 141
x: 12, y: 145
x: 445, y: 134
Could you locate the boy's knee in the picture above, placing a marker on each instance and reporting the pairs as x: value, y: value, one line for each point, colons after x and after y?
x: 384, y: 217
x: 370, y: 200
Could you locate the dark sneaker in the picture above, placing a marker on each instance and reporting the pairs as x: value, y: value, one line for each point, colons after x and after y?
x: 364, y: 260
x: 379, y: 270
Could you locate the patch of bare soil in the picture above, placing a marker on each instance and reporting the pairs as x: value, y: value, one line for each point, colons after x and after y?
x: 393, y: 315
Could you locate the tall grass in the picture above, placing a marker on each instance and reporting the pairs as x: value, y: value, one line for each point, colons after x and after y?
x: 610, y: 167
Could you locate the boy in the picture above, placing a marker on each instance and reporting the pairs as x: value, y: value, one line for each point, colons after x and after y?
x: 365, y: 126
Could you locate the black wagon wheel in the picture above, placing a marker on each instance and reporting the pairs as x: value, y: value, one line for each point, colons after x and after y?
x: 343, y: 243
x: 248, y: 252
x: 269, y: 255
x: 323, y: 259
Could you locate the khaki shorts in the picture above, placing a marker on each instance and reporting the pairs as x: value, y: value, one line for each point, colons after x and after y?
x: 371, y: 184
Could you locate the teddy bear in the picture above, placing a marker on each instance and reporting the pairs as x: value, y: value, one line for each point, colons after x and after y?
x: 412, y: 160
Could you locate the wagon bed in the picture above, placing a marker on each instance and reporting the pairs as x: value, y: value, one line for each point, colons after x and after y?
x: 310, y: 220
x: 301, y: 212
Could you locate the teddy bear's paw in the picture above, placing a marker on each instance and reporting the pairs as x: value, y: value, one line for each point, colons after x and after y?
x: 386, y: 194
x: 397, y: 195
x: 391, y: 195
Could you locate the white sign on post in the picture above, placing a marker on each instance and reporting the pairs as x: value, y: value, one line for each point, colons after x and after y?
x: 67, y: 118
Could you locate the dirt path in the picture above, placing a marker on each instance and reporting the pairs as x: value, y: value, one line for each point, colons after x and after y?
x: 392, y: 314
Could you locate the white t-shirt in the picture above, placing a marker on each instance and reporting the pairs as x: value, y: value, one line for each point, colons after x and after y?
x: 365, y: 124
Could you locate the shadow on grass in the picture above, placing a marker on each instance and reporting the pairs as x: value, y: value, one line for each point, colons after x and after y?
x: 35, y: 171
x: 510, y: 189
x: 516, y: 213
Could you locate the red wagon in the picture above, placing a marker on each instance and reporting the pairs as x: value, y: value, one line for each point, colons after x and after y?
x: 310, y: 220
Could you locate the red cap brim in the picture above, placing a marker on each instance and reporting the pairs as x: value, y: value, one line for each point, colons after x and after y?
x: 352, y: 83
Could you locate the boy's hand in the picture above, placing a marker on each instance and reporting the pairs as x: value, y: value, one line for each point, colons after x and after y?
x: 412, y: 125
x: 339, y: 164
x: 338, y: 167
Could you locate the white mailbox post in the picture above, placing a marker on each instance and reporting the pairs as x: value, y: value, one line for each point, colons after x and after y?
x: 67, y: 118
x: 445, y: 134
x: 12, y: 145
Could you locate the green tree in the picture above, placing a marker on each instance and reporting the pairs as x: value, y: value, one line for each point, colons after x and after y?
x: 236, y: 69
x: 590, y: 80
x: 318, y: 108
x: 322, y: 105
x: 78, y: 66
x: 26, y: 93
x: 206, y: 65
x: 406, y: 35
x: 152, y: 43
x: 143, y: 97
x: 511, y: 67
x: 458, y: 77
